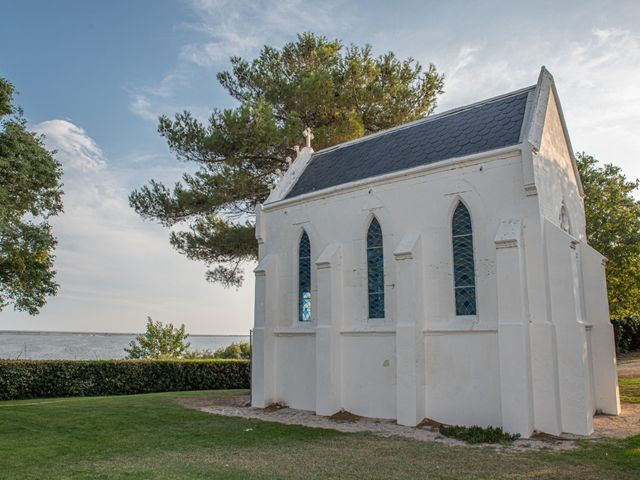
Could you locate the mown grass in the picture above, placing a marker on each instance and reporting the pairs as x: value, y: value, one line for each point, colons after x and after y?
x: 153, y: 437
x: 629, y: 389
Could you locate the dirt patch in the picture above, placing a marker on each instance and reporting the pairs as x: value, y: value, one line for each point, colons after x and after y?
x: 430, y: 424
x: 621, y: 426
x: 274, y: 407
x: 232, y: 406
x: 231, y: 399
x: 629, y: 364
x: 629, y: 367
x: 547, y: 437
x: 344, y: 416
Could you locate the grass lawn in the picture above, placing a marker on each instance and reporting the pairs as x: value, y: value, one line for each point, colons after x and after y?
x: 153, y: 437
x: 629, y: 389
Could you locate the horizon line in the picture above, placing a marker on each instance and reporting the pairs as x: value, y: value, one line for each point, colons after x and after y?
x: 53, y: 332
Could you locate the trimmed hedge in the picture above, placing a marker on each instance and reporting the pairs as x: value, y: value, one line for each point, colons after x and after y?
x: 21, y: 379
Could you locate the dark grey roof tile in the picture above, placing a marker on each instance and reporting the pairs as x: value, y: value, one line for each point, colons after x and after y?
x: 482, y: 127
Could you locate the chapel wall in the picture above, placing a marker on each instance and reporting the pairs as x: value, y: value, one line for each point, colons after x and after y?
x: 492, y: 191
x: 369, y: 375
x: 462, y: 380
x: 527, y: 360
x: 296, y: 371
x: 574, y: 372
x: 555, y: 178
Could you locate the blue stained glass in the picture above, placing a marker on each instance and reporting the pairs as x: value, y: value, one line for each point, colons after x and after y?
x: 306, y: 307
x: 463, y: 262
x: 465, y: 301
x: 461, y: 224
x: 375, y: 270
x: 463, y: 267
x: 304, y: 279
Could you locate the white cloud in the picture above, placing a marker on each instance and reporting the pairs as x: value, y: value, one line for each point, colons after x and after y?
x: 141, y: 106
x: 113, y: 268
x: 226, y: 44
x: 150, y: 101
x: 232, y: 27
x: 241, y: 28
x: 466, y: 56
x: 75, y: 149
x: 594, y: 72
x: 167, y: 85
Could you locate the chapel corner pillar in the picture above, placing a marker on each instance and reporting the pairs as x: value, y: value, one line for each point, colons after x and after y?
x: 410, y: 369
x: 566, y: 305
x: 263, y: 348
x: 516, y: 392
x: 542, y: 332
x: 574, y: 337
x: 602, y: 341
x: 328, y: 324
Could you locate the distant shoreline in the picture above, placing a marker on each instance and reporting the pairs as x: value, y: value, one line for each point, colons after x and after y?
x: 45, y: 332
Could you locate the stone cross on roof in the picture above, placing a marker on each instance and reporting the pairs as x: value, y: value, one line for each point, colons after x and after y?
x: 308, y: 135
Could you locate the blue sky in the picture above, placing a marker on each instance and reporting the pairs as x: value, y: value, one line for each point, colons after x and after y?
x: 94, y: 76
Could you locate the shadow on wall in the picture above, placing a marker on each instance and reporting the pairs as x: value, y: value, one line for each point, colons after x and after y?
x: 557, y: 188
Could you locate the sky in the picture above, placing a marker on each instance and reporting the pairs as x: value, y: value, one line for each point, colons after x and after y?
x: 94, y: 77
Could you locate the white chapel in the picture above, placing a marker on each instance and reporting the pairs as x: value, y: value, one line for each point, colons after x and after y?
x: 438, y: 270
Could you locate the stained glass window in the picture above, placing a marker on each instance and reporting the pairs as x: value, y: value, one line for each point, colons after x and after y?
x: 375, y: 270
x: 463, y: 263
x: 304, y: 279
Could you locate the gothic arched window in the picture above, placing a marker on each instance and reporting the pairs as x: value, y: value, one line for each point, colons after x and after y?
x: 565, y: 223
x: 375, y: 270
x: 463, y: 263
x: 304, y: 279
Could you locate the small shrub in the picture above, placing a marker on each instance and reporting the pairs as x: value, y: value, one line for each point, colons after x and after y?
x: 200, y: 354
x: 159, y: 341
x: 477, y: 434
x: 235, y: 351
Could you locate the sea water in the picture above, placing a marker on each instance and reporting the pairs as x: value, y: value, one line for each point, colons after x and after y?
x: 88, y: 346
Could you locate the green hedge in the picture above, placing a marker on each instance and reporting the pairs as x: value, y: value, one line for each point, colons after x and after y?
x: 64, y: 378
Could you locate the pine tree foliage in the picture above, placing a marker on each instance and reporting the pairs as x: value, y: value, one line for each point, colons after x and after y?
x: 340, y: 92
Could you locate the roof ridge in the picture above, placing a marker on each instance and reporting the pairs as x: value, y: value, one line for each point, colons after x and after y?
x: 426, y: 119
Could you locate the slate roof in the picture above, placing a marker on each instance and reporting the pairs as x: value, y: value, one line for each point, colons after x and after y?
x: 484, y: 126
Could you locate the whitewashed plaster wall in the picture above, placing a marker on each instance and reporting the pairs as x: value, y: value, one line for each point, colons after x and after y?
x: 369, y: 374
x: 423, y: 204
x: 462, y: 378
x: 556, y: 179
x: 295, y: 371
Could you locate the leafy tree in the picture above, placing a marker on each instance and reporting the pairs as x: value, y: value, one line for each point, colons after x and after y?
x: 30, y: 193
x: 159, y: 341
x: 340, y: 92
x: 613, y: 228
x: 240, y: 350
